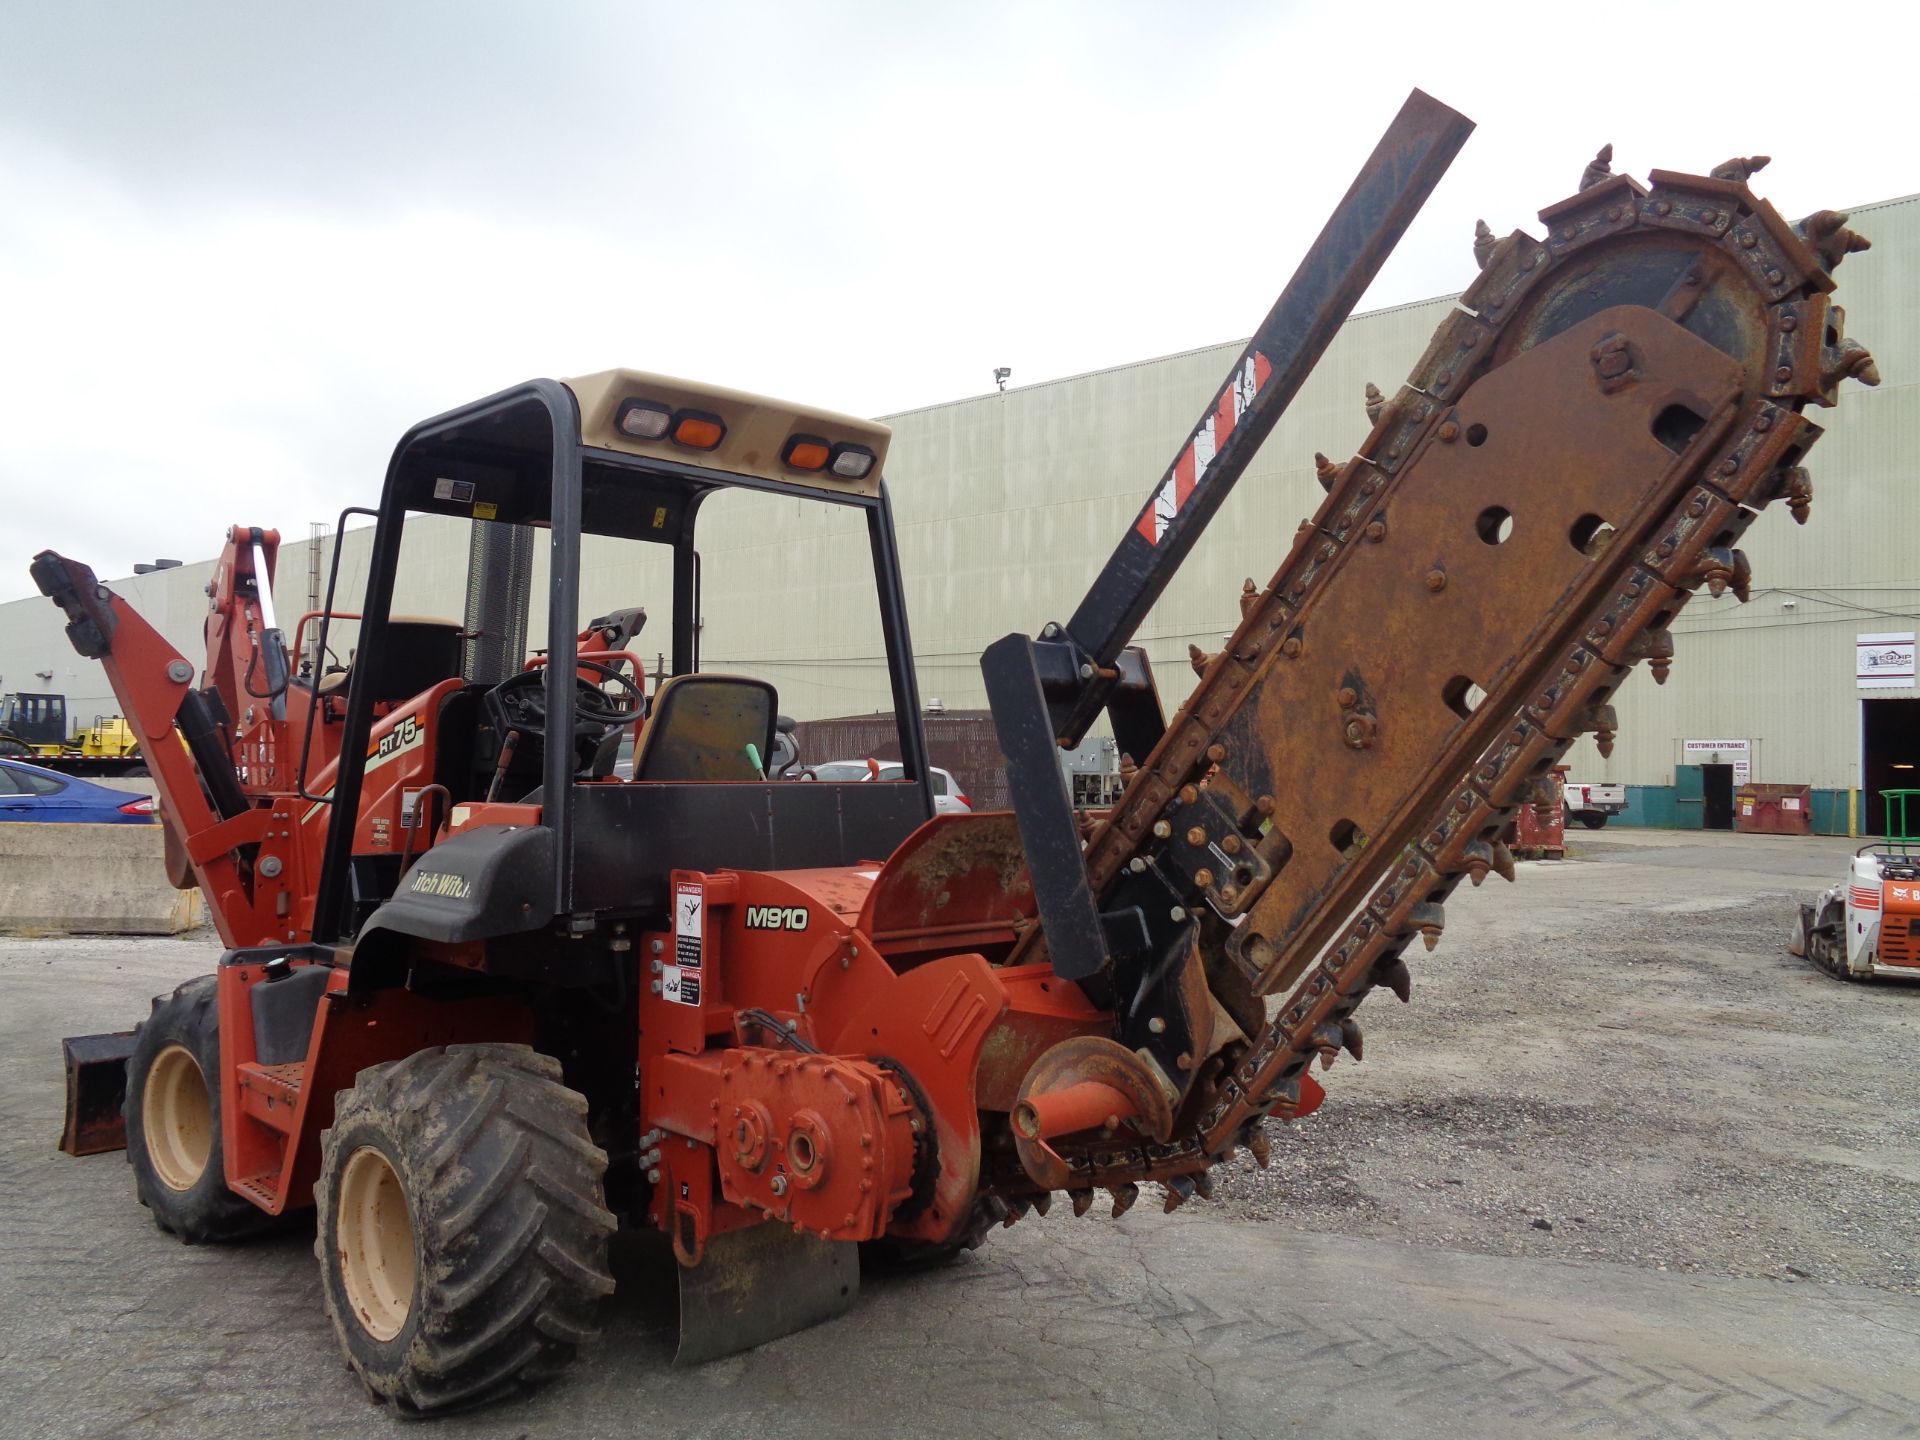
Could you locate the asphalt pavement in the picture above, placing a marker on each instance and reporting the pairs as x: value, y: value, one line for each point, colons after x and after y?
x: 1196, y: 1324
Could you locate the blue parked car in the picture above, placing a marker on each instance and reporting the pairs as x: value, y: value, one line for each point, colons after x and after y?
x: 28, y: 792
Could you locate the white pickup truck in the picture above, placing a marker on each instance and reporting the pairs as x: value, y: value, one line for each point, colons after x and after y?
x: 1592, y: 804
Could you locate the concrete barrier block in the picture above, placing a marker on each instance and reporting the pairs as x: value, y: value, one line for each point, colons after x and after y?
x: 90, y: 880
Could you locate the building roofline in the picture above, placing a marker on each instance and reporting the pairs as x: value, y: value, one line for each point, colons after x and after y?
x: 1149, y: 360
x: 1235, y: 344
x: 1884, y: 204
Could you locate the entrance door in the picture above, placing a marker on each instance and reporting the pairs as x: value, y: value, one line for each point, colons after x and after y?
x: 1890, y: 732
x: 1689, y: 798
x: 1717, y: 793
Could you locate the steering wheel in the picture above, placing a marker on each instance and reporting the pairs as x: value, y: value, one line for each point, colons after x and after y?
x: 520, y: 703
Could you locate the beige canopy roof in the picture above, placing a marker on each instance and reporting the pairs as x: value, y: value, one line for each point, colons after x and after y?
x: 758, y: 427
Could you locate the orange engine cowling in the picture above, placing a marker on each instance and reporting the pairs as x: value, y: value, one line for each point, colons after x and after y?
x: 1899, y: 918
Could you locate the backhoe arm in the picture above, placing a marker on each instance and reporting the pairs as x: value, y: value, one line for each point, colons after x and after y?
x: 212, y: 825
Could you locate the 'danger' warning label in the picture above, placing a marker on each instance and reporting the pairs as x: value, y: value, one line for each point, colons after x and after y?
x: 689, y: 922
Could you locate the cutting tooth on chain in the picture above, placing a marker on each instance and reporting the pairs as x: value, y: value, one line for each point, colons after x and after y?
x: 1203, y: 1184
x: 1258, y: 1145
x: 1392, y: 972
x: 1284, y: 1101
x: 1017, y: 1209
x: 1741, y: 168
x: 1795, y: 486
x: 1043, y: 1202
x: 1082, y: 1201
x: 1325, y: 470
x: 1741, y: 581
x: 1327, y: 1040
x: 1352, y: 1040
x: 1179, y: 1191
x: 1483, y: 243
x: 1716, y: 569
x: 1429, y: 919
x: 1599, y: 169
x: 1849, y: 360
x: 1477, y: 859
x: 1123, y: 1197
x: 1656, y: 648
x: 1601, y: 722
x: 1249, y: 597
x: 1199, y: 659
x: 1503, y: 862
x: 1826, y: 231
x: 1376, y: 402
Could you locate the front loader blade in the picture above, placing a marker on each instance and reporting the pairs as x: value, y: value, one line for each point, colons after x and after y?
x: 757, y: 1284
x: 1802, y: 929
x: 96, y: 1092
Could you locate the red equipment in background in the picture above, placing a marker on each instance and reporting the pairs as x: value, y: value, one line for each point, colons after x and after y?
x: 1772, y: 809
x: 1539, y: 830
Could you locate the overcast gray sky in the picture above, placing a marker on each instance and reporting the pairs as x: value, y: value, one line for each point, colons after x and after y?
x: 244, y: 246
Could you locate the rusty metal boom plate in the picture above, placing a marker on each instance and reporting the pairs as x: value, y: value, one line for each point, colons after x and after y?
x: 1579, y: 449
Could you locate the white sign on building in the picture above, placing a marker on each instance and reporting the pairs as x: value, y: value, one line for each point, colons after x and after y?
x: 1883, y: 662
x: 1737, y: 753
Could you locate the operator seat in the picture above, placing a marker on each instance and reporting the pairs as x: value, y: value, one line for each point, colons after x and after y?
x: 420, y: 651
x: 707, y: 727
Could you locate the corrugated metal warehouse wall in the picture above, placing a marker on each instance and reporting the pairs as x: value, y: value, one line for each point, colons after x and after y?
x: 1007, y: 505
x: 1778, y: 671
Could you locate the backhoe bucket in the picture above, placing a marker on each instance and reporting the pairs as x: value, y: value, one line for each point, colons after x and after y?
x: 96, y: 1092
x: 757, y: 1284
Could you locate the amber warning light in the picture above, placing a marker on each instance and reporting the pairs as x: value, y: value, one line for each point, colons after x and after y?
x: 697, y: 430
x: 807, y: 452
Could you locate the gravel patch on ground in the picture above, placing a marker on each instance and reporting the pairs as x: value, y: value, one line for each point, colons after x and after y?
x: 1624, y: 1073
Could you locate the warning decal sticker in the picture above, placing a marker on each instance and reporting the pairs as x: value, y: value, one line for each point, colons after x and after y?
x: 680, y: 986
x: 680, y: 982
x: 1206, y: 442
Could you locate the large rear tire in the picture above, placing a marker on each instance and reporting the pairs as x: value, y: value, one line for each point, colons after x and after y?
x: 173, y: 1121
x: 1593, y: 819
x: 462, y: 1228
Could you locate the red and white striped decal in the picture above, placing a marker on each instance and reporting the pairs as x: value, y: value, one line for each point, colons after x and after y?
x: 1206, y: 442
x: 1865, y: 897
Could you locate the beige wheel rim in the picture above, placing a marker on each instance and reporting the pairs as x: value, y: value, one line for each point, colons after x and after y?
x: 373, y: 1234
x: 176, y: 1115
